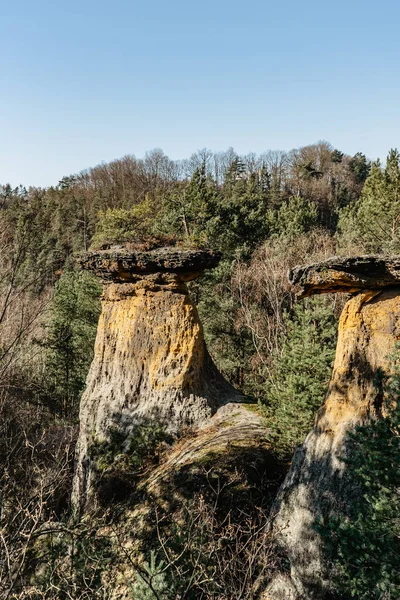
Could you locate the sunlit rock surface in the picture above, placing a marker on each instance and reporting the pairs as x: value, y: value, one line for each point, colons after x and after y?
x: 347, y: 274
x: 316, y: 484
x: 151, y: 361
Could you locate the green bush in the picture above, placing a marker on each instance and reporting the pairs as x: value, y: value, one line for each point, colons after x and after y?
x: 120, y: 460
x: 301, y: 373
x: 294, y: 217
x: 69, y: 339
x: 151, y: 582
x: 119, y: 225
x: 365, y: 543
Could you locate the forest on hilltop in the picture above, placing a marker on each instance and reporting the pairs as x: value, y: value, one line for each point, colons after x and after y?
x: 266, y: 213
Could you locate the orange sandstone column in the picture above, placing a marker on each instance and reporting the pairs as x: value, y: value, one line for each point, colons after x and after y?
x: 316, y: 485
x: 151, y: 362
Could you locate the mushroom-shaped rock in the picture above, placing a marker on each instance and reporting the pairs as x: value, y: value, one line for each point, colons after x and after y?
x: 121, y: 265
x: 151, y: 362
x: 347, y: 274
x: 316, y: 485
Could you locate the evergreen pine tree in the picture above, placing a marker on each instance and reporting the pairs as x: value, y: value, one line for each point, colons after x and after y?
x: 294, y: 217
x: 70, y: 338
x: 301, y: 375
x: 360, y: 167
x: 187, y: 211
x: 240, y: 223
x: 374, y: 221
x: 151, y: 583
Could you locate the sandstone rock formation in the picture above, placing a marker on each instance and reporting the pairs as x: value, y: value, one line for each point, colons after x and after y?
x: 150, y: 359
x: 316, y: 484
x: 350, y: 275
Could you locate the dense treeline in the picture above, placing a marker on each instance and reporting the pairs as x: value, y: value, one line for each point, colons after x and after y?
x: 248, y: 207
x: 266, y: 213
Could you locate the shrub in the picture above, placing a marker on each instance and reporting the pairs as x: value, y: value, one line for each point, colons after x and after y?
x: 364, y: 544
x: 299, y: 381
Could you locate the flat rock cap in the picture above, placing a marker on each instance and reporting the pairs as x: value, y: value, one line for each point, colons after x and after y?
x: 346, y: 274
x: 120, y: 264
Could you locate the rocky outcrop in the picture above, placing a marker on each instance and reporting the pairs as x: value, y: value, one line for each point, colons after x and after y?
x: 316, y: 484
x: 346, y: 274
x: 150, y: 361
x: 228, y: 468
x: 121, y: 265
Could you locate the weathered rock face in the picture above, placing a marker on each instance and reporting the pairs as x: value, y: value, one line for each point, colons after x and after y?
x: 351, y: 275
x: 121, y: 265
x: 150, y: 359
x: 316, y: 484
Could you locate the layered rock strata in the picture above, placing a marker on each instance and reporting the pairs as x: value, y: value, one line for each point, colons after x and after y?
x: 151, y: 361
x: 347, y: 274
x: 316, y: 485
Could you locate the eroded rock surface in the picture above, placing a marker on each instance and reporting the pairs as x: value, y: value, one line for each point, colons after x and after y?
x: 119, y: 264
x: 316, y: 485
x: 150, y: 361
x: 347, y: 274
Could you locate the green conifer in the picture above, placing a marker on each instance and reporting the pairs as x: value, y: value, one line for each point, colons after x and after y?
x: 302, y: 371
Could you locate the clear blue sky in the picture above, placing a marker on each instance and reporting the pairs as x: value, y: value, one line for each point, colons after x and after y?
x: 88, y: 81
